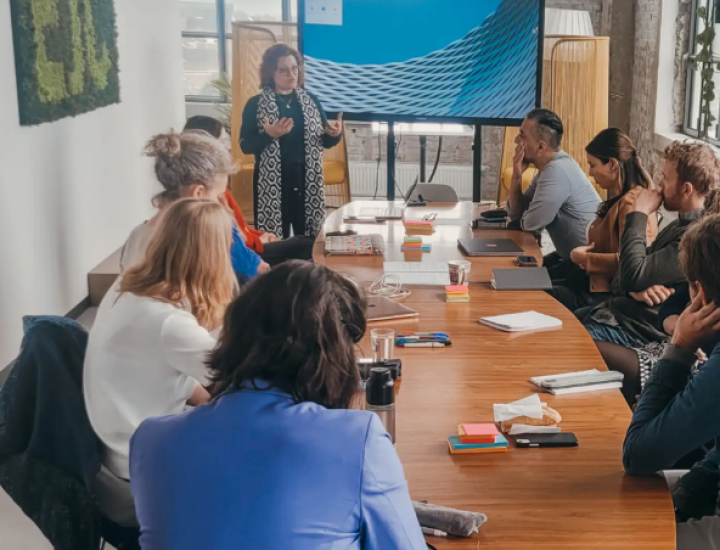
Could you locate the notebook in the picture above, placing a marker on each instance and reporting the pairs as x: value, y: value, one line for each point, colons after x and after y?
x: 518, y: 322
x: 490, y: 247
x: 579, y: 382
x: 355, y: 245
x: 456, y: 447
x: 477, y: 433
x: 522, y: 278
x: 380, y: 308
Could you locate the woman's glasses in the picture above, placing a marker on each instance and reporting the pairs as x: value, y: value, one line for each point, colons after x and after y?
x: 287, y: 71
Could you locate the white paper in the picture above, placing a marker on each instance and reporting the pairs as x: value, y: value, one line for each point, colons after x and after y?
x: 414, y: 267
x: 530, y: 406
x: 517, y: 429
x: 419, y: 273
x: 528, y: 320
x: 324, y: 12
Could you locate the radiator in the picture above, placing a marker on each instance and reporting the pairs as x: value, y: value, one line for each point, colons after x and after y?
x: 366, y: 181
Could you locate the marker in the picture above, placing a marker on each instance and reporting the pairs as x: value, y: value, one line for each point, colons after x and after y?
x: 433, y: 532
x: 423, y: 345
x: 424, y: 334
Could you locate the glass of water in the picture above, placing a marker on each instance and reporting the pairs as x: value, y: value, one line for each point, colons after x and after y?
x: 383, y: 343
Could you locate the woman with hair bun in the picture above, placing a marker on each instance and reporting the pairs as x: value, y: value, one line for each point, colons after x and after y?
x: 190, y: 165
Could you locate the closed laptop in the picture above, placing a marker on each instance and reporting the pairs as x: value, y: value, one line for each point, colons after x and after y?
x: 380, y: 308
x: 522, y: 278
x: 490, y: 247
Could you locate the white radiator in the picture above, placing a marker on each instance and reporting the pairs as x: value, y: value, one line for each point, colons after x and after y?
x: 367, y: 181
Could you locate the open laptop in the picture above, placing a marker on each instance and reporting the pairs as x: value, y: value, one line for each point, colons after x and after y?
x: 392, y: 213
x: 490, y: 247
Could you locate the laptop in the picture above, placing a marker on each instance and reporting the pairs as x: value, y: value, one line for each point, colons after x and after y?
x: 490, y: 247
x: 522, y: 278
x: 380, y: 308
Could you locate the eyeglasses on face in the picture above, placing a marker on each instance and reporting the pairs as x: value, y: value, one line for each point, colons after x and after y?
x: 287, y: 71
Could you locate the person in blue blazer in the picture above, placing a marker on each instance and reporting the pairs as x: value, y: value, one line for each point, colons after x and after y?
x: 277, y: 459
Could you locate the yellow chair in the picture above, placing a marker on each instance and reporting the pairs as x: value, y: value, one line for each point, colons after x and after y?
x: 250, y: 41
x: 576, y: 87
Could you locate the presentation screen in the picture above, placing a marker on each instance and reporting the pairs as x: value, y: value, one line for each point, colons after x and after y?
x: 446, y: 60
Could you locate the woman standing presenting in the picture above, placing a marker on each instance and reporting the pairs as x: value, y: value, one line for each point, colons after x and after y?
x: 286, y: 129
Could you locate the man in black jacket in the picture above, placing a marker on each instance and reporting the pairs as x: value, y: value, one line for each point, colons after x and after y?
x: 678, y: 413
x: 690, y: 177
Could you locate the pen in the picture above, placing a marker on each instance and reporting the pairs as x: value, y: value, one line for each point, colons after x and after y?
x: 422, y: 345
x: 423, y: 334
x: 433, y: 532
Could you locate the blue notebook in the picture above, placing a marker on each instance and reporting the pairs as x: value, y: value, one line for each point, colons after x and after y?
x: 500, y: 442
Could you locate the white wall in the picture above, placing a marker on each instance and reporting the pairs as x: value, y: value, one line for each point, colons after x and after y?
x: 70, y: 191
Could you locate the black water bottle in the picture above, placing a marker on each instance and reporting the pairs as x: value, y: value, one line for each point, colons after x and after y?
x: 380, y: 396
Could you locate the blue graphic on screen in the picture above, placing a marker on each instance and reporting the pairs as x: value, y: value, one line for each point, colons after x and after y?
x: 474, y: 59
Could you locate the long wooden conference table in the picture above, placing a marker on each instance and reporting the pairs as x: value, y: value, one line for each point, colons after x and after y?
x: 534, y: 498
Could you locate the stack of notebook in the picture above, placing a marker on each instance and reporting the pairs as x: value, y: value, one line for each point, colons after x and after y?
x: 414, y: 243
x: 457, y: 294
x: 425, y: 225
x: 476, y: 439
x: 579, y: 382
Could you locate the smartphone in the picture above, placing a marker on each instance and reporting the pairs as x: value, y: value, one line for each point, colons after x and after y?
x: 527, y: 441
x: 527, y: 261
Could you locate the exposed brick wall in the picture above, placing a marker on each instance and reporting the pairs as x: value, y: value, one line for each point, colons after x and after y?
x: 645, y: 75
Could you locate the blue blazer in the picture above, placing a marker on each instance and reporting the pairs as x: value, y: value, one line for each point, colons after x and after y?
x: 256, y: 470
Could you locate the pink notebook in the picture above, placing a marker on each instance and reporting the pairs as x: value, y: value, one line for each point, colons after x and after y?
x: 477, y: 430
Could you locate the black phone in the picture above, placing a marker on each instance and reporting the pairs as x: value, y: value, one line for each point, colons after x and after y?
x: 527, y: 441
x: 527, y: 261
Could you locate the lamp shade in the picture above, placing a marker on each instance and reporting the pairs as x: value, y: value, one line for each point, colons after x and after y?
x: 568, y: 23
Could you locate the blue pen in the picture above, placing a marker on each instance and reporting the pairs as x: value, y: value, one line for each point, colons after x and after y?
x: 424, y: 334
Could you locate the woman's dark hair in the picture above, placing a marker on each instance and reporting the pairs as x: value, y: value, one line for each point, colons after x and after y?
x: 270, y: 64
x: 614, y: 144
x: 205, y: 123
x: 294, y: 328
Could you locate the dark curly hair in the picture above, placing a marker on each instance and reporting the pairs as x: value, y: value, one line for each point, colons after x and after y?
x: 294, y: 328
x: 269, y: 65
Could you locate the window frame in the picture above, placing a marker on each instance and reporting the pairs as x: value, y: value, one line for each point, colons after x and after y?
x: 222, y: 60
x: 691, y: 56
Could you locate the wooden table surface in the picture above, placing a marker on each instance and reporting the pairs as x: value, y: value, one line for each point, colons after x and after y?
x: 534, y: 498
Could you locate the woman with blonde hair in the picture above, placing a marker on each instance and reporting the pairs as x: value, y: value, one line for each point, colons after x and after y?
x: 190, y: 165
x: 153, y: 332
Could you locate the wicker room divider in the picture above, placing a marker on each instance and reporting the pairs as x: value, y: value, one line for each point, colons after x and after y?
x: 576, y: 86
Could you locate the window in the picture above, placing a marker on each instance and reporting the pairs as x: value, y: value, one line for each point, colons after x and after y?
x: 207, y: 54
x: 425, y: 129
x: 694, y: 78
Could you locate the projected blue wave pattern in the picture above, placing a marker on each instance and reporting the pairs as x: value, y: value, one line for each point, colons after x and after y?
x: 491, y: 73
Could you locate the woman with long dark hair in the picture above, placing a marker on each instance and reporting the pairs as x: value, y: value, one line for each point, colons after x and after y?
x: 277, y: 460
x: 616, y: 167
x: 286, y: 128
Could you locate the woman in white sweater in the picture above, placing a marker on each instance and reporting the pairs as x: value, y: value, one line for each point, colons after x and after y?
x: 147, y: 349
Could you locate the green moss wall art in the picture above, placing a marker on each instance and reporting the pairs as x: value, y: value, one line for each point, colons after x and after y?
x: 66, y: 57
